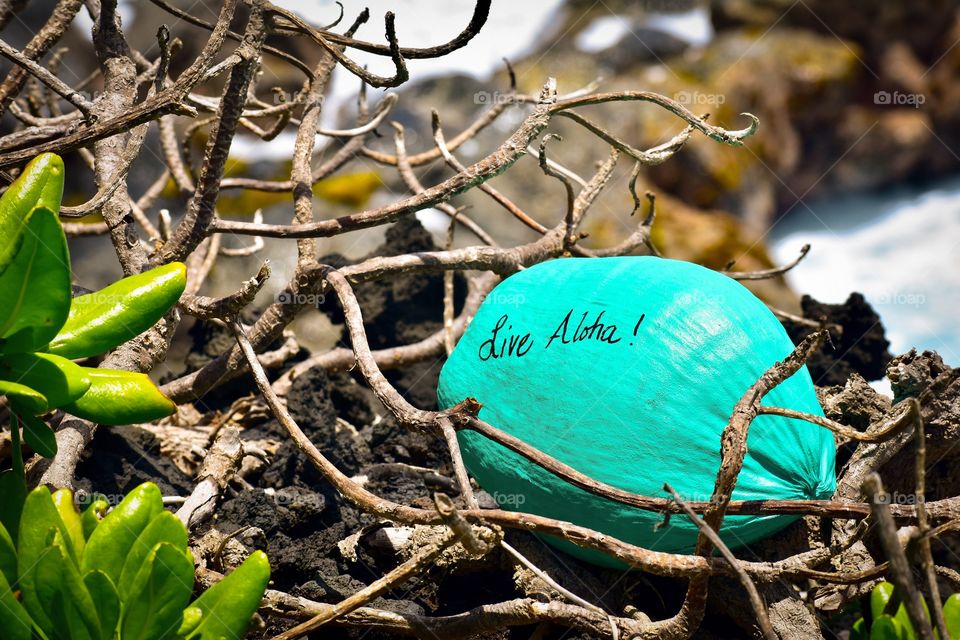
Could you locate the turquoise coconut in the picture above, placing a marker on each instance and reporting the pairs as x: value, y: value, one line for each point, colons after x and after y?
x: 627, y: 370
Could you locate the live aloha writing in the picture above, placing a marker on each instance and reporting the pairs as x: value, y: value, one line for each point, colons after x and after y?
x: 504, y: 342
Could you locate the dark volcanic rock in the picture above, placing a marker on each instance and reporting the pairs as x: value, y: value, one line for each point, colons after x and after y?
x: 209, y: 341
x: 121, y: 458
x: 404, y: 309
x: 862, y: 347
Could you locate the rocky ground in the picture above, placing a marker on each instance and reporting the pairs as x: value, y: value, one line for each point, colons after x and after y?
x: 282, y: 504
x: 811, y: 72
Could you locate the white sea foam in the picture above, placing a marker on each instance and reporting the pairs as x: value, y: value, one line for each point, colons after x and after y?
x: 900, y: 249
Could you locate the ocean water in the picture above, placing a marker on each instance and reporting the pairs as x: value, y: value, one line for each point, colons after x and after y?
x: 899, y: 248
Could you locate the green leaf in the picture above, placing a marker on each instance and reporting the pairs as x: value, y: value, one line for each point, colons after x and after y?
x: 58, y: 379
x: 8, y: 556
x: 120, y: 397
x: 14, y: 492
x: 228, y: 605
x: 160, y: 591
x: 92, y: 516
x: 879, y: 597
x: 951, y: 615
x: 886, y: 628
x: 63, y: 501
x: 39, y: 436
x: 68, y: 623
x: 106, y: 602
x: 23, y: 398
x: 35, y: 287
x: 101, y: 320
x: 73, y: 607
x: 165, y: 527
x: 38, y: 524
x: 192, y: 617
x: 14, y: 619
x: 39, y: 184
x: 111, y: 541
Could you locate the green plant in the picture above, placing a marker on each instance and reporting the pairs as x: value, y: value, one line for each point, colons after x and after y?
x: 127, y: 576
x: 889, y: 619
x: 42, y: 328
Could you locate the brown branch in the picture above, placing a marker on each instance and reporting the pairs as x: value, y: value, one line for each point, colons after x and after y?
x: 49, y: 34
x: 899, y: 568
x: 226, y: 307
x: 200, y: 212
x: 768, y: 273
x: 923, y: 529
x: 756, y: 602
x: 53, y: 82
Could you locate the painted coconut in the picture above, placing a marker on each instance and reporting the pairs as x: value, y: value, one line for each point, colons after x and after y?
x: 627, y: 369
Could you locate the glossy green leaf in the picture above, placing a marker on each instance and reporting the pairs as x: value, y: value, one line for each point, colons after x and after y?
x: 63, y: 501
x: 92, y: 516
x: 886, y: 628
x: 111, y: 541
x: 38, y: 524
x: 951, y: 615
x: 39, y: 436
x: 35, y: 287
x: 879, y: 597
x: 859, y: 630
x: 101, y: 320
x: 23, y: 398
x: 228, y: 605
x: 159, y: 592
x: 192, y: 617
x: 14, y: 492
x: 8, y: 556
x: 73, y: 607
x: 120, y: 397
x: 14, y: 619
x: 58, y: 379
x: 106, y: 602
x: 39, y: 184
x: 165, y: 527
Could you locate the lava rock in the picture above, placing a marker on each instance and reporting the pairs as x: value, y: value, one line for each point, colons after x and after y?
x: 403, y: 309
x: 861, y: 348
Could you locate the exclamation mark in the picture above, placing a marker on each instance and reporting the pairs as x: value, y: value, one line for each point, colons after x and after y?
x: 636, y: 327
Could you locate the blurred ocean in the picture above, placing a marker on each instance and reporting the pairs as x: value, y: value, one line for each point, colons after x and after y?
x: 899, y: 248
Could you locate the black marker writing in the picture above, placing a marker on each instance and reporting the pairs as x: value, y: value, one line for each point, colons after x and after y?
x: 596, y: 331
x: 500, y: 346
